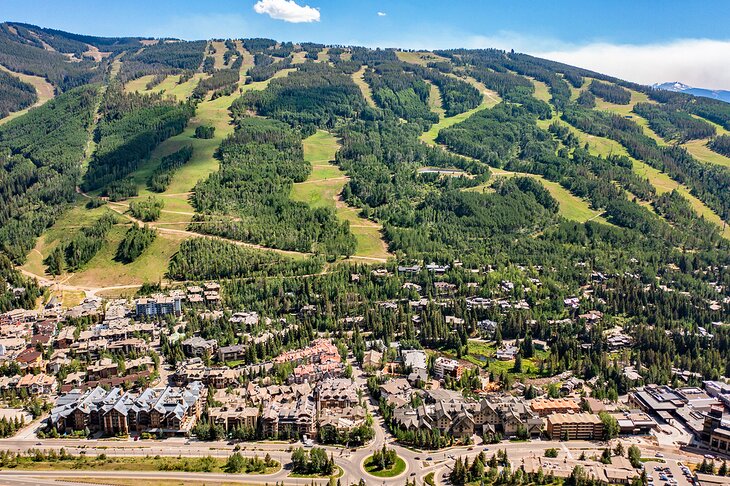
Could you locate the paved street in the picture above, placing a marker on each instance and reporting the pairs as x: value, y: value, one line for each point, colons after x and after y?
x: 419, y: 464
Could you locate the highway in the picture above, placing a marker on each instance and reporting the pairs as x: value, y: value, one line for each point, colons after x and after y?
x: 419, y: 464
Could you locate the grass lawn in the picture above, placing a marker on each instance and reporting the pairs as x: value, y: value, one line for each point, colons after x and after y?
x: 72, y: 298
x: 367, y: 92
x: 338, y: 473
x: 396, y: 470
x: 481, y: 353
x: 172, y: 464
x: 158, y: 482
x: 43, y: 89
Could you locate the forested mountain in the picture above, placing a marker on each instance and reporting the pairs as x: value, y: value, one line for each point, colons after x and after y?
x: 40, y: 156
x: 14, y: 94
x: 131, y: 126
x: 476, y: 159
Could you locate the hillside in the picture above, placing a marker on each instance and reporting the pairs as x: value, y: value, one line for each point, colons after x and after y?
x: 307, y: 157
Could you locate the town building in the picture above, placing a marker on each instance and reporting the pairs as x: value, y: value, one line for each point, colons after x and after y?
x: 165, y: 411
x: 443, y: 367
x: 158, y: 305
x: 197, y: 346
x: 544, y: 407
x: 716, y: 431
x: 574, y: 426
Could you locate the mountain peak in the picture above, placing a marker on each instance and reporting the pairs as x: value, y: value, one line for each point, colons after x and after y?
x: 679, y: 87
x: 672, y: 86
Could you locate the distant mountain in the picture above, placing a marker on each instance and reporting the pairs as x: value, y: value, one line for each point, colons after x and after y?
x: 678, y: 87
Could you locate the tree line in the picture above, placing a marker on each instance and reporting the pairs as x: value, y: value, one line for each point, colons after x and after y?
x: 15, y: 94
x: 161, y: 177
x: 132, y: 125
x: 40, y: 154
x: 248, y: 198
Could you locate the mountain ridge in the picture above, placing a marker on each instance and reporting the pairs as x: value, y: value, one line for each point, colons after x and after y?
x: 679, y: 87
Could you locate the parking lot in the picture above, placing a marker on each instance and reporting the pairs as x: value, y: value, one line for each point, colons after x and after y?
x: 675, y: 476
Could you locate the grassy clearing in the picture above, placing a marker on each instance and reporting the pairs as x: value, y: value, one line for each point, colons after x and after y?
x: 663, y: 183
x: 571, y: 207
x: 422, y: 58
x: 367, y: 92
x: 541, y: 91
x: 104, y: 271
x: 322, y: 189
x: 323, y: 55
x: 169, y: 86
x: 203, y: 163
x: 489, y: 100
x: 64, y: 228
x: 396, y: 470
x: 482, y: 353
x: 220, y: 50
x: 434, y: 100
x: 605, y: 147
x: 72, y: 298
x: 43, y: 89
x: 701, y: 152
x: 298, y: 57
x: 575, y: 92
x: 623, y: 110
x: 247, y: 56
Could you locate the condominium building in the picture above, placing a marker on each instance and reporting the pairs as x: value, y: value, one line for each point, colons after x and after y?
x: 571, y: 426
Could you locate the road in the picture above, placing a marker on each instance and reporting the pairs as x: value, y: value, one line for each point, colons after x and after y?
x: 418, y: 463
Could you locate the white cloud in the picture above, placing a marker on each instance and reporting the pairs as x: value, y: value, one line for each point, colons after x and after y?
x: 697, y: 62
x: 382, y: 14
x: 700, y: 63
x: 287, y: 10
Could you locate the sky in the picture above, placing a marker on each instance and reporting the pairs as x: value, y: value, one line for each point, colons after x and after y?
x: 645, y: 41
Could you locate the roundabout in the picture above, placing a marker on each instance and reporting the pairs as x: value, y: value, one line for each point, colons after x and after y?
x: 384, y: 464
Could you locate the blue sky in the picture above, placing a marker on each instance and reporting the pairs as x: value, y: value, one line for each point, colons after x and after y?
x: 638, y: 40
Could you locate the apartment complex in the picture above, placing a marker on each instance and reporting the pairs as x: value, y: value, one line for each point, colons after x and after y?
x: 571, y: 426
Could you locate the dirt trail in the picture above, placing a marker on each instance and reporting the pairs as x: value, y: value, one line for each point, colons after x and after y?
x: 121, y: 209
